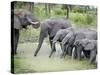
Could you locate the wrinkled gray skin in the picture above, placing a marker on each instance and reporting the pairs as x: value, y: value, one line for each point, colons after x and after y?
x: 69, y: 36
x: 87, y: 45
x: 50, y: 27
x: 60, y: 36
x: 66, y: 37
x: 20, y: 19
x: 88, y: 34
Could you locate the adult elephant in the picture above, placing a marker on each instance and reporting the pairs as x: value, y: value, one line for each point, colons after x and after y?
x: 20, y: 18
x: 87, y: 45
x: 50, y: 27
x: 69, y: 36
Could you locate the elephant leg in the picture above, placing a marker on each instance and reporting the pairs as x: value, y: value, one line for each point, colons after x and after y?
x: 52, y: 44
x: 70, y: 50
x: 64, y: 50
x: 52, y: 47
x: 41, y: 39
x: 83, y: 55
x: 65, y: 53
x: 16, y: 39
x: 61, y: 46
x: 51, y: 53
x: 79, y: 54
x: 74, y: 54
x: 87, y: 54
x: 92, y: 56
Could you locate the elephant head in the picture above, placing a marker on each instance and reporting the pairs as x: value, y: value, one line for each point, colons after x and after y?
x: 85, y: 43
x: 22, y: 18
x: 88, y: 44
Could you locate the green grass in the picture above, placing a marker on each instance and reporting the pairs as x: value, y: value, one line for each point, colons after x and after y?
x: 25, y: 62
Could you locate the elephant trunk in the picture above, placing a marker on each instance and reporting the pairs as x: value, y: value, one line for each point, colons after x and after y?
x: 35, y: 24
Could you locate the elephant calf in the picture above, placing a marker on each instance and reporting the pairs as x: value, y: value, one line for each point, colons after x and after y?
x: 89, y: 48
x: 64, y: 36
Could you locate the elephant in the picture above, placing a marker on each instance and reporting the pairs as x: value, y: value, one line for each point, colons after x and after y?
x: 50, y: 27
x: 20, y: 18
x: 60, y: 35
x: 69, y: 36
x: 89, y: 46
x: 79, y: 34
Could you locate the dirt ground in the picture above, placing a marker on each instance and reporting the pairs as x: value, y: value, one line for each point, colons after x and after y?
x: 25, y: 62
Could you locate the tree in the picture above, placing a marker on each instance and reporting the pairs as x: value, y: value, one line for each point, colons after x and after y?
x: 67, y: 8
x: 47, y: 9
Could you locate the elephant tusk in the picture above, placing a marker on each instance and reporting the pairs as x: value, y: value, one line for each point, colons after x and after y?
x: 34, y: 22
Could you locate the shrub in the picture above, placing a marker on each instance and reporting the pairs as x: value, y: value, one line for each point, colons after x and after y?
x: 29, y: 35
x: 89, y: 18
x: 58, y: 12
x: 83, y: 19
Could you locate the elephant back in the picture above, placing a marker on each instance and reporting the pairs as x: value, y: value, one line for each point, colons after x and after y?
x: 54, y: 24
x: 79, y: 35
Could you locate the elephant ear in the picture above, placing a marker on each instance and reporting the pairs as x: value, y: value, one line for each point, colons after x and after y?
x: 89, y: 46
x: 20, y: 12
x: 17, y: 24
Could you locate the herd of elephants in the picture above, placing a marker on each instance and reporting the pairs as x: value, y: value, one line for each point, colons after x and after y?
x: 76, y: 42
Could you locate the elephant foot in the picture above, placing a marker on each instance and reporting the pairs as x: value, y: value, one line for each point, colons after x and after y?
x: 13, y: 53
x: 35, y: 55
x: 49, y: 56
x: 51, y: 53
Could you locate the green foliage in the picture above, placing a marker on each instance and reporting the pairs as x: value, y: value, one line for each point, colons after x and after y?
x: 29, y: 35
x: 78, y: 18
x: 83, y: 19
x: 90, y: 19
x: 18, y: 4
x: 58, y: 11
x: 39, y: 12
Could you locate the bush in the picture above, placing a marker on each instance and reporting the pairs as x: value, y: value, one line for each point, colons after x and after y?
x: 78, y: 18
x: 89, y: 18
x: 29, y: 35
x: 59, y: 11
x: 83, y: 19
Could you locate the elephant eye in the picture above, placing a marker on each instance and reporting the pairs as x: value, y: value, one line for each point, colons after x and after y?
x: 25, y: 15
x: 80, y: 44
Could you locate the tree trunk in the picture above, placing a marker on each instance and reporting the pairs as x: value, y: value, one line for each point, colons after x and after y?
x: 46, y: 9
x: 49, y: 9
x: 67, y: 11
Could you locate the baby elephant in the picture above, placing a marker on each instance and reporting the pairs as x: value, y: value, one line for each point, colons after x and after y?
x: 89, y: 48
